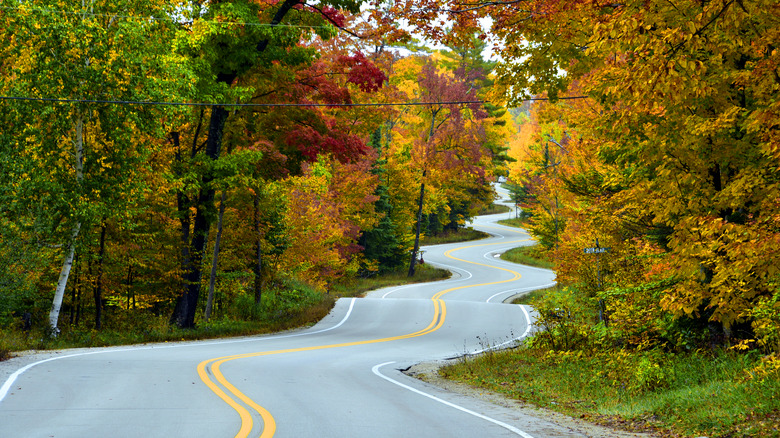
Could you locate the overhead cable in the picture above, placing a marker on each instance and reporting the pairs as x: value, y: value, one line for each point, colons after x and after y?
x: 143, y: 102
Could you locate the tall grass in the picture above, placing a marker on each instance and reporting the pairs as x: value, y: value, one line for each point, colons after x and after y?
x: 727, y: 394
x: 528, y: 255
x: 357, y: 286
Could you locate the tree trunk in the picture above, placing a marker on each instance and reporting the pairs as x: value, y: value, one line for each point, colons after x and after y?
x: 184, y: 313
x: 258, y: 267
x: 413, y: 261
x: 79, y: 286
x: 62, y: 283
x: 67, y: 264
x: 215, y: 258
x: 74, y: 296
x: 129, y: 283
x: 183, y: 210
x: 98, y: 291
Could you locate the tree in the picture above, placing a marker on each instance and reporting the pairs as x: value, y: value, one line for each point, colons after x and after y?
x: 383, y: 244
x: 331, y: 203
x: 683, y: 132
x: 59, y: 55
x: 228, y: 59
x: 443, y: 137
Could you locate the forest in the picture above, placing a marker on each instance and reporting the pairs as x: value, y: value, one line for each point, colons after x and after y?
x: 187, y: 161
x: 653, y: 182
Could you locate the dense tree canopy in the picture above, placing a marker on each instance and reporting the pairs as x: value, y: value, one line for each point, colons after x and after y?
x: 124, y: 159
x: 669, y: 156
x: 656, y: 137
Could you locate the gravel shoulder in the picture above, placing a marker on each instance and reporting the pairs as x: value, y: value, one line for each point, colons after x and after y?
x: 429, y: 373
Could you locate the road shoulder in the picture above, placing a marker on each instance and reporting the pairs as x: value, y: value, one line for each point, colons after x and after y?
x: 429, y: 372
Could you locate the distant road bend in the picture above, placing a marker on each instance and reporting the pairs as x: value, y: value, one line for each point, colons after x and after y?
x: 340, y: 378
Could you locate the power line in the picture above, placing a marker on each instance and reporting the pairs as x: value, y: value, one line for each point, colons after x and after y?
x: 170, y: 20
x: 282, y: 105
x: 146, y: 102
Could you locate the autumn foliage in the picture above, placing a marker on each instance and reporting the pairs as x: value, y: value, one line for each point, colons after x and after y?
x: 667, y: 155
x: 132, y: 187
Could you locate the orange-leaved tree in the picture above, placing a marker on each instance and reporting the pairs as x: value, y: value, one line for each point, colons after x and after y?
x: 686, y: 99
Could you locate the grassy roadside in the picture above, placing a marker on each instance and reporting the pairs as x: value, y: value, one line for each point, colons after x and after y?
x: 495, y: 209
x: 358, y: 286
x: 281, y: 310
x: 712, y: 393
x: 513, y: 222
x: 285, y: 309
x: 528, y: 255
x: 461, y: 235
x: 291, y: 307
x: 723, y: 394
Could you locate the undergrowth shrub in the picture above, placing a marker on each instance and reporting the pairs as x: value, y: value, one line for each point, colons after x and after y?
x: 766, y: 322
x: 278, y: 302
x: 566, y: 322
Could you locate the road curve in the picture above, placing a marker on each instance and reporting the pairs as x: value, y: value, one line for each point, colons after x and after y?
x: 340, y: 378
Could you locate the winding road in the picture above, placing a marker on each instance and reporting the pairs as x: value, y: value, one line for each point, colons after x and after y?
x: 339, y: 378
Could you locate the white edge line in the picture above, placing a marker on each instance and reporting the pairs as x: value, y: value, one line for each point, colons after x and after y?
x: 528, y: 327
x: 12, y: 378
x: 522, y: 289
x: 469, y: 275
x: 509, y: 427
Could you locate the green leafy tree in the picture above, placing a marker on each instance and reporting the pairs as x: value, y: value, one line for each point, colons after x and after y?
x: 79, y: 156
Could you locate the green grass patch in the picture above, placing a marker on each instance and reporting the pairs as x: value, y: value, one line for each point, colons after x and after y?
x: 698, y: 394
x: 528, y: 255
x: 513, y: 222
x: 459, y: 235
x: 358, y: 286
x: 494, y: 209
x: 533, y: 296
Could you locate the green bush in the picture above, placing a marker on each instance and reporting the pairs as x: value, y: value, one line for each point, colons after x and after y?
x: 280, y: 302
x: 566, y: 321
x: 766, y: 322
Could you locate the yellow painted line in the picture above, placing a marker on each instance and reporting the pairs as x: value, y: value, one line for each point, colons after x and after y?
x: 448, y: 254
x: 246, y: 417
x: 269, y: 425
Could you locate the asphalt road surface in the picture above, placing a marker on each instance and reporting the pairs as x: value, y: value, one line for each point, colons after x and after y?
x: 340, y: 378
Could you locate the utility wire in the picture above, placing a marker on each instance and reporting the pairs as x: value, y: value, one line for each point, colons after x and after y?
x: 170, y: 20
x: 199, y: 104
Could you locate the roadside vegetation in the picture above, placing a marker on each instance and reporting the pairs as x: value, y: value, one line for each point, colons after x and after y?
x: 286, y: 306
x: 528, y: 255
x: 494, y: 209
x: 453, y: 236
x: 682, y: 382
x: 713, y: 393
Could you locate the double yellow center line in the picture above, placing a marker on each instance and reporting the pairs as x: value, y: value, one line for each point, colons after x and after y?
x: 211, y: 367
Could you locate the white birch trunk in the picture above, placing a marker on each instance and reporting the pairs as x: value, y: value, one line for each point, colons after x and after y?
x: 62, y: 283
